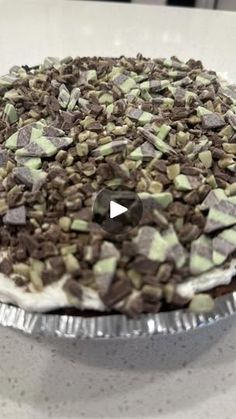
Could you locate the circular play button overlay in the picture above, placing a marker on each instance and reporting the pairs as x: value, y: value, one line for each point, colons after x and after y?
x: 118, y: 211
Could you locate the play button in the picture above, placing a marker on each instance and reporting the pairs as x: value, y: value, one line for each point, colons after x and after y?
x: 117, y: 212
x: 116, y: 209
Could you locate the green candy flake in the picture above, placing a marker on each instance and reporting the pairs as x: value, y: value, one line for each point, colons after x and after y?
x: 221, y: 215
x: 150, y: 243
x: 154, y: 85
x: 213, y: 198
x: 157, y: 141
x: 135, y: 92
x: 29, y: 177
x: 30, y: 162
x: 10, y: 114
x: 202, y: 303
x: 201, y: 255
x: 104, y: 271
x: 91, y: 75
x: 163, y: 102
x: 110, y: 148
x: 202, y: 111
x: 139, y: 115
x: 224, y: 245
x: 232, y: 167
x: 44, y: 147
x: 169, y: 63
x: 163, y: 131
x: 31, y: 132
x: 105, y: 266
x: 74, y: 99
x: 79, y: 225
x: 204, y: 79
x: 110, y: 109
x: 174, y: 249
x: 125, y: 83
x: 164, y: 199
x: 8, y: 80
x: 64, y: 96
x: 106, y: 99
x: 186, y: 183
x: 51, y: 62
x: 145, y: 152
x: 227, y: 132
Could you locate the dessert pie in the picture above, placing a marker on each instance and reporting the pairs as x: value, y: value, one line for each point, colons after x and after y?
x: 160, y: 128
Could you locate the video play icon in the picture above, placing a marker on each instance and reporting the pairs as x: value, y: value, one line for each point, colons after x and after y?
x: 117, y: 211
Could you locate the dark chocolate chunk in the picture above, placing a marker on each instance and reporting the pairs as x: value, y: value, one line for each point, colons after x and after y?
x: 5, y: 266
x: 3, y: 158
x: 72, y: 287
x: 15, y: 216
x: 212, y: 120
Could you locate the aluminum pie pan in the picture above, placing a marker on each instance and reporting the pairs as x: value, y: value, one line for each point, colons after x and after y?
x: 114, y: 326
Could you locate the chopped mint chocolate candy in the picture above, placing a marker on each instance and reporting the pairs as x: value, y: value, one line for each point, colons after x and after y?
x: 213, y: 198
x: 176, y: 64
x: 3, y: 158
x: 201, y: 257
x: 74, y: 290
x: 64, y: 96
x: 150, y: 243
x: 15, y: 216
x: 110, y: 148
x: 163, y: 199
x: 206, y: 158
x: 232, y: 121
x: 221, y: 215
x: 140, y: 116
x: 79, y: 225
x: 104, y: 271
x: 159, y: 128
x: 202, y: 303
x: 31, y: 132
x: 145, y: 152
x: 229, y: 91
x: 212, y: 121
x: 204, y: 79
x: 224, y: 245
x: 154, y: 86
x: 31, y: 162
x: 157, y: 141
x: 10, y: 114
x: 44, y: 147
x: 182, y: 95
x: 124, y: 82
x: 186, y: 183
x: 74, y: 99
x: 175, y: 250
x: 109, y: 250
x: 8, y: 80
x: 30, y: 177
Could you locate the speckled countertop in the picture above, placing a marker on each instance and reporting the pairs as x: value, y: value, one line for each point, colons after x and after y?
x: 187, y: 376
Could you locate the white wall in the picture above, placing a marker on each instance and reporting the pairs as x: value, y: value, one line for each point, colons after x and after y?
x: 227, y: 4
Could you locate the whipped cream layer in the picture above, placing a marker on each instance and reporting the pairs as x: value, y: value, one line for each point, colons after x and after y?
x: 52, y: 297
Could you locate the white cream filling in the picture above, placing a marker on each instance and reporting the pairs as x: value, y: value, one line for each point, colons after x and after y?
x: 52, y: 296
x: 207, y: 281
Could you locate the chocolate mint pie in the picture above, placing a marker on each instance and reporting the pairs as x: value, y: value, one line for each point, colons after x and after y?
x: 161, y: 129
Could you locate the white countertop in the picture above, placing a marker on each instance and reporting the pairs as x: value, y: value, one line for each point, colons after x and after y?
x: 188, y: 376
